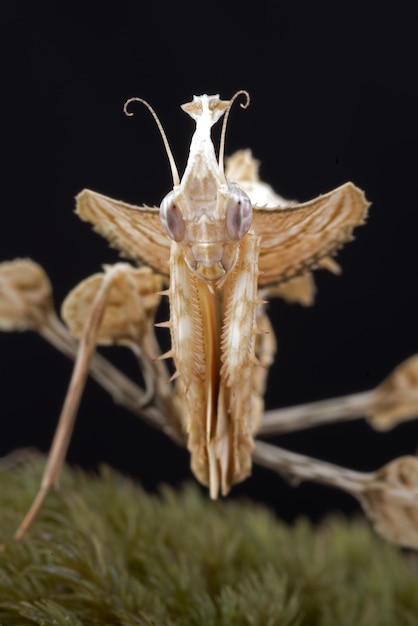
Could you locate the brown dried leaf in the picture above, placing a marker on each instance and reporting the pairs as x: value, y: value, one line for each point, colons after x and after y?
x: 132, y: 302
x: 242, y: 168
x: 396, y: 397
x: 391, y: 501
x: 25, y: 295
x: 300, y: 289
x: 330, y: 264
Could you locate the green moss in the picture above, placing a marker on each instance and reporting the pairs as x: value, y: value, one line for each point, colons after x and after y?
x: 105, y: 552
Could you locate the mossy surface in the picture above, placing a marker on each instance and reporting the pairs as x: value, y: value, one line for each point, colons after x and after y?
x: 105, y: 552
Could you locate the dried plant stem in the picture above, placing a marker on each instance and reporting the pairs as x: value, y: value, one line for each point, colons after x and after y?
x: 313, y: 414
x: 146, y: 369
x: 122, y: 390
x: 383, y: 408
x: 306, y: 468
x: 72, y: 400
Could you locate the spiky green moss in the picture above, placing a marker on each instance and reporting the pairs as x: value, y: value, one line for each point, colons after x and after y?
x: 105, y: 552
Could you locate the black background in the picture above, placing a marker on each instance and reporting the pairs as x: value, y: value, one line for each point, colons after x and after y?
x: 334, y: 98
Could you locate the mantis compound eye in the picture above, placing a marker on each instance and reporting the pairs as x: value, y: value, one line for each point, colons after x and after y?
x: 239, y: 213
x: 171, y: 218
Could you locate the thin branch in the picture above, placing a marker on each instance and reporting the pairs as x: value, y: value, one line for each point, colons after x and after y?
x: 68, y: 415
x: 312, y: 414
x: 384, y: 407
x: 307, y: 468
x: 123, y: 391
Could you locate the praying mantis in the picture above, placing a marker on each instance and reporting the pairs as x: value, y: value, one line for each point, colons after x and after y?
x: 220, y: 246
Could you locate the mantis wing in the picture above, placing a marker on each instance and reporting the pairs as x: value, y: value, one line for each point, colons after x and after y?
x: 295, y: 238
x: 136, y: 231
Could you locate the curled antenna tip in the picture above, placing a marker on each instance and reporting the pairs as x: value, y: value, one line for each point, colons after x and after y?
x: 244, y: 105
x: 243, y: 92
x: 127, y: 103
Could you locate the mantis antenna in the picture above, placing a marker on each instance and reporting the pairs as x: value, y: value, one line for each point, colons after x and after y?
x: 243, y: 105
x: 174, y: 172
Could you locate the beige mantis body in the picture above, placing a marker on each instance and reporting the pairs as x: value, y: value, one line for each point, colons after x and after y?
x: 223, y: 249
x: 223, y: 242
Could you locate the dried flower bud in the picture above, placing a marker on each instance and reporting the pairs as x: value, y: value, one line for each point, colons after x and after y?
x: 132, y: 301
x: 242, y: 168
x: 396, y: 397
x: 25, y: 295
x: 391, y: 501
